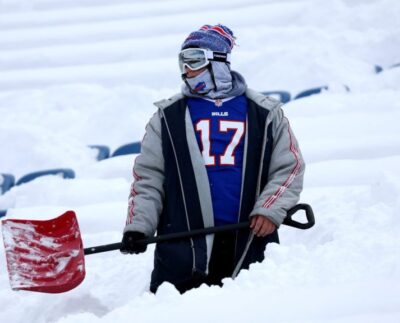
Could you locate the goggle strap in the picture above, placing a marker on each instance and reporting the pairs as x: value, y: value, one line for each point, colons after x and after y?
x: 219, y: 56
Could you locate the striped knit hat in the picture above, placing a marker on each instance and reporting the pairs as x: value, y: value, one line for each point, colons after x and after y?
x: 218, y: 38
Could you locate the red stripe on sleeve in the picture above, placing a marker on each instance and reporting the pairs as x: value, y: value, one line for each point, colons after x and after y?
x: 274, y: 197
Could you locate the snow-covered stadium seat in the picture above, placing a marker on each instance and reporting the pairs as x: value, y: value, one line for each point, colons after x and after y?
x: 282, y: 96
x: 378, y: 69
x: 309, y: 92
x: 103, y: 152
x: 64, y: 172
x: 6, y: 182
x: 132, y: 148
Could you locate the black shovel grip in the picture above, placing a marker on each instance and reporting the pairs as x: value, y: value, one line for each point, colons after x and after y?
x: 230, y: 227
x: 298, y: 225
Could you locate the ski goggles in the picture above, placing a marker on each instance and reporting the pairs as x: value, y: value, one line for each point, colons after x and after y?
x: 197, y: 58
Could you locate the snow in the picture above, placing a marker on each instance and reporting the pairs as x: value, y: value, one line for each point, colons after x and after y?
x: 78, y: 73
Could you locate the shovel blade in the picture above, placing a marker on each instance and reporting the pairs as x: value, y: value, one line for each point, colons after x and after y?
x: 44, y: 256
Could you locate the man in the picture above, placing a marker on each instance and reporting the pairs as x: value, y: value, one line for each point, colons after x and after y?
x: 215, y: 154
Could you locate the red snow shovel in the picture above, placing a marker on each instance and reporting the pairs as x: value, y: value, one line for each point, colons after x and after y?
x: 44, y: 256
x: 48, y: 256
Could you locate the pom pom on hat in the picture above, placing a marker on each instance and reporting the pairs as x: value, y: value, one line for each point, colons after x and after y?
x: 218, y: 38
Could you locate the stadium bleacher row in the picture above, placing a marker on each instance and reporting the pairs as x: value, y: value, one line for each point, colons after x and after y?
x: 7, y: 181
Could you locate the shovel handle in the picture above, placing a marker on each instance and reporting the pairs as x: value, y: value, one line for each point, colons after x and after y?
x: 230, y: 227
x: 299, y: 225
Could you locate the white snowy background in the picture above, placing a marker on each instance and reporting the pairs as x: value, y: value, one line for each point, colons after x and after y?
x: 75, y: 73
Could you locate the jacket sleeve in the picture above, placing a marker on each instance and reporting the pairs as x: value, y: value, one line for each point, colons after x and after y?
x: 147, y: 193
x: 285, y: 177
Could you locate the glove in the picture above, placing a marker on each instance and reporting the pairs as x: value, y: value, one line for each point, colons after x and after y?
x: 130, y: 244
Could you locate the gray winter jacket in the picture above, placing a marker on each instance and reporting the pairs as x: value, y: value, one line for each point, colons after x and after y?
x: 272, y: 170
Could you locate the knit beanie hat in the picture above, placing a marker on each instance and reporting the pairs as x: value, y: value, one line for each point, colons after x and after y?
x: 218, y: 38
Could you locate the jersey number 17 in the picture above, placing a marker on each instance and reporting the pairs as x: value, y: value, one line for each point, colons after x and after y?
x: 228, y: 157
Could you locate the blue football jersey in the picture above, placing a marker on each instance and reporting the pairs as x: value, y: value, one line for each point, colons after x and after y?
x: 220, y: 127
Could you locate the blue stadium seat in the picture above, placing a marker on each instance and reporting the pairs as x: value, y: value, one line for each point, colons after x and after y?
x: 309, y: 92
x: 6, y: 182
x: 103, y: 151
x: 378, y: 69
x: 3, y: 213
x: 132, y: 148
x: 282, y: 96
x: 65, y: 172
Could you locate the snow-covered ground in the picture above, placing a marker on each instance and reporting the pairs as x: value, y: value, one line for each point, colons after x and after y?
x: 75, y: 73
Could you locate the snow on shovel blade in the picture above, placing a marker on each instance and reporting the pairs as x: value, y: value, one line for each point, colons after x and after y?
x: 44, y: 256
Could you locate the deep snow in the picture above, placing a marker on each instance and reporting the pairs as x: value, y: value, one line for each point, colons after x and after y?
x: 75, y: 73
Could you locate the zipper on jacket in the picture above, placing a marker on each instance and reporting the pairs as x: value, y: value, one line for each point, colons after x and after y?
x: 265, y: 141
x: 241, y: 189
x: 182, y: 190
